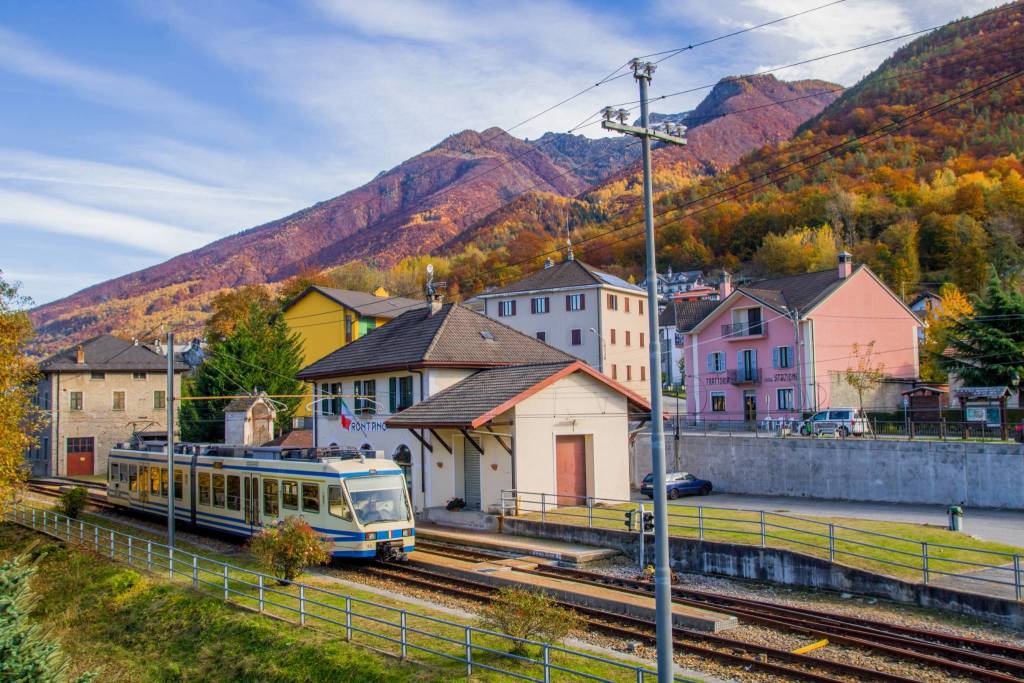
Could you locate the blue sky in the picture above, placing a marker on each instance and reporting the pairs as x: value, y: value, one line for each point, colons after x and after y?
x: 134, y: 131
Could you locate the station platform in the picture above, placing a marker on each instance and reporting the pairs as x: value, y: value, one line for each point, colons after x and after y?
x: 567, y: 553
x: 516, y: 571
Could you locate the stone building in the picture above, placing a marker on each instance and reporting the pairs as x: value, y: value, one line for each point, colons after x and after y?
x: 95, y: 395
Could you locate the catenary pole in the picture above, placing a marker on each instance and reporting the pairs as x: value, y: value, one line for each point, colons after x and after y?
x: 642, y: 72
x: 170, y: 439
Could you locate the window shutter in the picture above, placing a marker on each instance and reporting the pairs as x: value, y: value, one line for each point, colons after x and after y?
x: 790, y: 357
x: 711, y: 362
x: 567, y: 302
x: 753, y: 361
x: 547, y: 304
x: 513, y: 306
x: 775, y: 356
x: 739, y: 362
x: 583, y: 302
x: 392, y: 395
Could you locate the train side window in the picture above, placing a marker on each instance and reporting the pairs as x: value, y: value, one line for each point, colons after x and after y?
x: 154, y: 481
x: 234, y: 493
x: 115, y: 471
x: 290, y: 495
x: 204, y: 488
x: 311, y: 498
x: 163, y: 482
x: 143, y: 479
x: 179, y: 484
x: 337, y: 505
x: 270, y: 497
x: 218, y: 490
x: 133, y: 477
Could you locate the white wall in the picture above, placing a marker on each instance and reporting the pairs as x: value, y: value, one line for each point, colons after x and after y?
x: 558, y: 322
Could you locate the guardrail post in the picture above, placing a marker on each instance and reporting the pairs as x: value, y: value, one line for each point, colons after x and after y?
x: 924, y: 560
x: 348, y: 619
x: 44, y: 520
x: 1018, y: 588
x: 129, y: 551
x: 67, y: 528
x: 96, y: 537
x: 111, y: 544
x: 543, y: 507
x: 404, y: 639
x: 590, y: 511
x: 226, y: 591
x: 34, y: 518
x: 149, y: 555
x: 763, y: 530
x: 547, y: 664
x: 639, y: 676
x: 81, y: 531
x: 831, y: 542
x: 469, y: 652
x: 260, y: 581
x: 700, y: 522
x: 170, y: 564
x: 195, y: 572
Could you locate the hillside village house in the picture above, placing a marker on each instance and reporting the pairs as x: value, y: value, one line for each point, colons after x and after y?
x: 776, y: 347
x: 326, y: 319
x: 583, y: 311
x: 469, y: 406
x: 100, y: 393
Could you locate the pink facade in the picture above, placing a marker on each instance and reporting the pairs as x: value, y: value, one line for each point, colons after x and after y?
x: 758, y: 355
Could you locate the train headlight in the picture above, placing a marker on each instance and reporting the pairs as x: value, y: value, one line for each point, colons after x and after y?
x: 406, y: 532
x: 371, y: 536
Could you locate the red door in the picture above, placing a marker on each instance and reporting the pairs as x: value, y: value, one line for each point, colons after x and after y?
x: 571, y: 470
x: 81, y: 453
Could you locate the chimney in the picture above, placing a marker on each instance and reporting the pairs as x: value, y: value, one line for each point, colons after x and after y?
x: 845, y: 264
x: 725, y: 285
x: 80, y: 355
x: 435, y: 303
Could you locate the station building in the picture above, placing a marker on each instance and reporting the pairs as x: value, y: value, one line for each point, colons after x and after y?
x: 469, y: 406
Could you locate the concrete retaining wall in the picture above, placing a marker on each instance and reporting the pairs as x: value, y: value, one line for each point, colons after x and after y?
x: 980, y: 475
x: 775, y: 565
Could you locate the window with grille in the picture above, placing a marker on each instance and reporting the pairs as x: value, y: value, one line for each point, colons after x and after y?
x: 76, y: 400
x: 118, y: 403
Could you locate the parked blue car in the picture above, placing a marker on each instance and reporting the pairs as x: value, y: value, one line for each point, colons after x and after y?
x: 677, y: 484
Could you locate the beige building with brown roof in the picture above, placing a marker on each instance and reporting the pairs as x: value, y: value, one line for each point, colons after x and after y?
x: 98, y: 394
x: 468, y: 407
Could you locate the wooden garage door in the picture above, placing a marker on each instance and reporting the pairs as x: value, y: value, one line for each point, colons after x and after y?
x: 471, y: 474
x: 81, y: 455
x: 570, y: 469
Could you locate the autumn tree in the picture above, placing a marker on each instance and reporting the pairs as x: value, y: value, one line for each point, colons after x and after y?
x: 800, y: 250
x: 232, y: 307
x: 19, y: 419
x: 865, y: 373
x: 259, y: 354
x: 939, y: 320
x: 298, y: 283
x: 987, y: 349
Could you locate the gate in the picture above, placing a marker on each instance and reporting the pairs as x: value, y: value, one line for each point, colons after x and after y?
x: 81, y: 456
x: 471, y: 474
x: 570, y: 469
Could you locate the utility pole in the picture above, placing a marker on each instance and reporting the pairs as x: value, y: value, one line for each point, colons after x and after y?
x: 642, y: 72
x: 170, y: 439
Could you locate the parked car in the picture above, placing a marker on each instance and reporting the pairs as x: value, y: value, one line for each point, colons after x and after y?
x: 677, y: 484
x: 843, y: 421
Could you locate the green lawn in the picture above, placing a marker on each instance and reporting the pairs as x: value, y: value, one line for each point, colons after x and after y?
x: 367, y: 616
x: 858, y: 543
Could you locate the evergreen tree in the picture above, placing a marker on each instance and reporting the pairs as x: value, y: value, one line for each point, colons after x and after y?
x: 988, y: 348
x: 259, y: 354
x: 25, y: 655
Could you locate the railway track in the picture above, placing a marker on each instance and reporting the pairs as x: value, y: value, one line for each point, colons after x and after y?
x: 973, y: 658
x: 731, y: 651
x: 53, y: 490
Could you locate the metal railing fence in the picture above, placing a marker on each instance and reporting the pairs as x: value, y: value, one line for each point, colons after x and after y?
x: 400, y: 632
x: 785, y: 425
x: 830, y: 541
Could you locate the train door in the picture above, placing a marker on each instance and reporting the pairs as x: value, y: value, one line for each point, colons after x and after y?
x: 251, y: 494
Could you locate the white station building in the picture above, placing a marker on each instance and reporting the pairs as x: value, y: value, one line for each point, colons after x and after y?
x: 470, y: 407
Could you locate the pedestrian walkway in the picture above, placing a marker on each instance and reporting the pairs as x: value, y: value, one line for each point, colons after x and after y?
x: 570, y: 553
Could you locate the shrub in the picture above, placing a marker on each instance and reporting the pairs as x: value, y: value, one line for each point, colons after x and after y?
x: 455, y: 504
x: 288, y: 547
x: 530, y: 615
x: 72, y: 501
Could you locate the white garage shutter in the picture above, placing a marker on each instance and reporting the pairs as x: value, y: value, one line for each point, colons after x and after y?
x: 471, y: 468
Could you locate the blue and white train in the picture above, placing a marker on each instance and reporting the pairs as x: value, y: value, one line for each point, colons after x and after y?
x: 358, y: 502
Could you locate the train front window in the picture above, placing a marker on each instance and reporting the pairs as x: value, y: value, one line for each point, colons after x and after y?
x: 379, y: 498
x: 337, y: 505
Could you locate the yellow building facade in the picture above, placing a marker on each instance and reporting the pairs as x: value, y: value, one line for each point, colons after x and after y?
x: 326, y: 319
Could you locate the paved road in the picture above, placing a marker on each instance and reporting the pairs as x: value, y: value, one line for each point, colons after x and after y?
x: 1004, y: 526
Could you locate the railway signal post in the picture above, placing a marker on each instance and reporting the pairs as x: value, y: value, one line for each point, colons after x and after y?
x: 642, y: 72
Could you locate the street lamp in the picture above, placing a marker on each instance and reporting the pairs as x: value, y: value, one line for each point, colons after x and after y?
x: 602, y: 352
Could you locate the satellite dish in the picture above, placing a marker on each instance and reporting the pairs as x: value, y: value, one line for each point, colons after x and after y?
x: 430, y: 269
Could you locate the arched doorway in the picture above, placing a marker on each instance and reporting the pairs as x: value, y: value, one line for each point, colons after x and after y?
x: 403, y: 457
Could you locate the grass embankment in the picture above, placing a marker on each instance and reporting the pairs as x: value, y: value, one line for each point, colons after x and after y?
x: 127, y: 626
x: 860, y: 543
x: 244, y: 593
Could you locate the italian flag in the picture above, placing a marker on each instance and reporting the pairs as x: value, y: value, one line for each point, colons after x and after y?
x: 346, y: 417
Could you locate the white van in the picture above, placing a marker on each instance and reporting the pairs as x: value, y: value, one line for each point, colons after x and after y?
x: 842, y: 421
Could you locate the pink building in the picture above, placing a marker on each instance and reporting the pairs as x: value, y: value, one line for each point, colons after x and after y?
x: 778, y: 347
